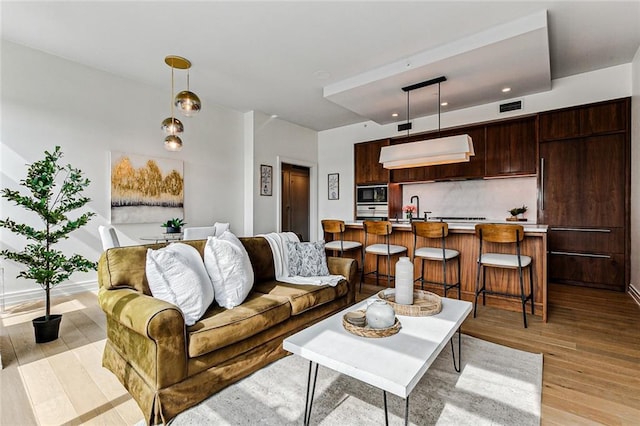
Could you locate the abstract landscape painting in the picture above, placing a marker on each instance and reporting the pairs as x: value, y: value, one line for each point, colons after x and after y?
x: 145, y: 189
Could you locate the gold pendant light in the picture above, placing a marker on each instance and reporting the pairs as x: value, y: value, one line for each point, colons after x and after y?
x: 187, y: 102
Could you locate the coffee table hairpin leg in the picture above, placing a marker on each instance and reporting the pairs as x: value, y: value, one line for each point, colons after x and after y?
x: 311, y: 386
x: 311, y: 390
x: 457, y: 366
x: 386, y: 412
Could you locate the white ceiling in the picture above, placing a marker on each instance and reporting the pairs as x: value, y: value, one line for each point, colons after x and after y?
x: 281, y: 57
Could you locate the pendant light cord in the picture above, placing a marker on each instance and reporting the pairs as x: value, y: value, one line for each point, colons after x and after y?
x: 408, y: 122
x: 438, y: 109
x: 173, y: 120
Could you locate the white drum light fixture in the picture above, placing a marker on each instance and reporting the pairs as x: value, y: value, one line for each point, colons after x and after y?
x: 184, y: 101
x: 430, y: 152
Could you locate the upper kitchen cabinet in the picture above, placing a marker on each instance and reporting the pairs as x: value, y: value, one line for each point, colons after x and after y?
x: 511, y: 148
x: 586, y: 120
x: 367, y: 163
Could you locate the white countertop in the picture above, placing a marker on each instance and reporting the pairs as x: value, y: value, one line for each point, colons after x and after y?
x: 467, y: 226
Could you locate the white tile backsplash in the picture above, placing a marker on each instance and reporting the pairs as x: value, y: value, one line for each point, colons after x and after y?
x: 490, y: 198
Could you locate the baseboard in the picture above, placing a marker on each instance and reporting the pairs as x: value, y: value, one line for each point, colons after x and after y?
x: 634, y: 293
x: 36, y: 292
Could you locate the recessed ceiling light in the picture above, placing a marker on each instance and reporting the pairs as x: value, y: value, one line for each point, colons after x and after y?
x: 506, y: 89
x: 274, y: 115
x: 444, y: 104
x: 395, y: 114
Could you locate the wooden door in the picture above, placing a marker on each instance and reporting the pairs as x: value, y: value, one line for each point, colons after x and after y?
x: 295, y: 200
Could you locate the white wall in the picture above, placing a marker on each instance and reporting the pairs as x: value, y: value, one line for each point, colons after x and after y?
x: 49, y: 101
x: 336, y: 145
x: 635, y: 174
x: 277, y: 141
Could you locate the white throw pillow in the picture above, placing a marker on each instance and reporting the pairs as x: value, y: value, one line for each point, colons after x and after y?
x: 229, y: 268
x: 220, y: 228
x: 307, y: 259
x: 176, y: 274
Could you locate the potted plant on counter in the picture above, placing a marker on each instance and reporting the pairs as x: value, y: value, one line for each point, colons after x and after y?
x: 174, y: 226
x: 517, y: 211
x: 55, y: 191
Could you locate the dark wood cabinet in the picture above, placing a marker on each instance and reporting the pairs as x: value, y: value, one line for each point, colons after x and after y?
x: 511, y: 148
x: 367, y: 163
x: 582, y: 182
x: 584, y: 193
x: 593, y: 119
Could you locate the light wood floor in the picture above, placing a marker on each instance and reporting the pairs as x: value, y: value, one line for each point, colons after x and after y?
x: 591, y: 348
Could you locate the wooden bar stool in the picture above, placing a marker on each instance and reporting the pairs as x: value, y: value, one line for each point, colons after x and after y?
x: 333, y: 226
x: 435, y: 230
x: 380, y: 228
x: 503, y: 234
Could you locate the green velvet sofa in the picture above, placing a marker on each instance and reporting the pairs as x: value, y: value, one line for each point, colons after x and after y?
x: 167, y: 366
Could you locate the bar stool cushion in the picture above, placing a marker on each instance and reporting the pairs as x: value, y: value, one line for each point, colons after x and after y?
x: 382, y: 249
x: 348, y: 245
x: 504, y: 260
x: 436, y: 253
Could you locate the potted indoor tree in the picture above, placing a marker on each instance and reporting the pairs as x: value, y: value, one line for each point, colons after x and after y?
x: 54, y: 192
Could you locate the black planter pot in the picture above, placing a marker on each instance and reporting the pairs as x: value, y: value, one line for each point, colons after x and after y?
x: 173, y: 229
x: 47, y: 330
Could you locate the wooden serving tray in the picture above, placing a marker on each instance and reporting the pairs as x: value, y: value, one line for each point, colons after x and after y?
x: 367, y: 331
x: 425, y: 303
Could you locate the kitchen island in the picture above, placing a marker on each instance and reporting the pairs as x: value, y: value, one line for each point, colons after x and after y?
x: 462, y: 238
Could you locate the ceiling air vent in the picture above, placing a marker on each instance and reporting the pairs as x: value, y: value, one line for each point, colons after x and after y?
x: 404, y: 126
x: 511, y: 106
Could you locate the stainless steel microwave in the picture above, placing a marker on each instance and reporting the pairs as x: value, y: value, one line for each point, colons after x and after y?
x: 372, y: 194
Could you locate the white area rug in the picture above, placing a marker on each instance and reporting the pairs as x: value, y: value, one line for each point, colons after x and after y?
x: 497, y: 386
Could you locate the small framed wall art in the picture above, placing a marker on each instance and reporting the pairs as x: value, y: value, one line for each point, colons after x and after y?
x: 266, y: 180
x: 333, y: 186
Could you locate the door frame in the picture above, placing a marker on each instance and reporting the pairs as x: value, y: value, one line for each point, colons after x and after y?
x: 313, y: 192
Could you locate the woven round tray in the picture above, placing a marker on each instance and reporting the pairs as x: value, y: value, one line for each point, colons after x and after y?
x: 367, y: 331
x: 425, y: 303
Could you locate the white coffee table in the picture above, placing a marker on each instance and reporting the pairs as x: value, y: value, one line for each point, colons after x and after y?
x: 394, y: 364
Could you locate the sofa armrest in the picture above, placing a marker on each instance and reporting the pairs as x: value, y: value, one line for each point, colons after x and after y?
x: 148, y: 332
x: 347, y: 268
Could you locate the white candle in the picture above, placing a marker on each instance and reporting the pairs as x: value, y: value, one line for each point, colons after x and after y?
x: 404, y: 281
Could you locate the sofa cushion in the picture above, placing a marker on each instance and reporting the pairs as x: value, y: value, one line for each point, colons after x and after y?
x: 307, y: 259
x: 220, y: 327
x: 228, y: 265
x: 303, y: 297
x: 124, y: 267
x: 177, y: 275
x: 261, y: 257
